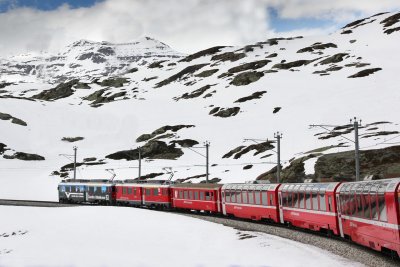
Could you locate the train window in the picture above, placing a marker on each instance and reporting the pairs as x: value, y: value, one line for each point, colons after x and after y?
x: 103, y: 189
x: 308, y: 200
x: 124, y: 190
x: 148, y: 191
x: 185, y: 194
x: 251, y: 197
x: 314, y: 197
x: 382, y: 207
x: 202, y: 195
x: 134, y: 191
x: 129, y: 191
x: 196, y: 195
x: 289, y: 200
x: 190, y: 194
x: 180, y: 194
x: 234, y: 196
x: 301, y: 200
x: 264, y: 198
x: 271, y: 199
x: 239, y: 196
x: 329, y: 203
x: 155, y: 192
x: 367, y: 206
x: 295, y: 200
x: 374, y: 207
x: 257, y: 197
x: 244, y: 197
x: 322, y: 203
x: 228, y: 196
x: 360, y: 209
x: 208, y: 195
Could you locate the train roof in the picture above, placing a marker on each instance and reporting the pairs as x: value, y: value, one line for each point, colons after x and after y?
x: 320, y: 187
x: 197, y: 186
x: 383, y: 185
x: 241, y: 186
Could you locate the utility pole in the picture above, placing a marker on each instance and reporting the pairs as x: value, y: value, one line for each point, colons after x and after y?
x: 140, y: 162
x: 75, y: 152
x: 278, y: 137
x: 357, y: 148
x: 207, y: 160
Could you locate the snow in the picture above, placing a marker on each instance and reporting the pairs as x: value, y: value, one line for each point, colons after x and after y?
x: 305, y: 98
x: 111, y: 236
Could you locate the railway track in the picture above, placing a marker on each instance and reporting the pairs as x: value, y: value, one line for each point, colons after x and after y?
x: 334, y: 245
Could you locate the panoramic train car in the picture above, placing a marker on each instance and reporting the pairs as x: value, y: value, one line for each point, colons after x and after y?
x: 129, y: 194
x: 251, y: 201
x: 91, y: 191
x: 199, y: 197
x: 156, y: 194
x: 310, y: 206
x: 369, y: 213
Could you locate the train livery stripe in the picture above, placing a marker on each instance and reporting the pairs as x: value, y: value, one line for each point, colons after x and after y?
x: 311, y: 211
x: 376, y: 223
x: 251, y: 206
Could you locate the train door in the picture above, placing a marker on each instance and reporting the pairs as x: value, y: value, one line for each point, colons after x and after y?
x: 280, y: 207
x: 223, y: 192
x: 339, y: 215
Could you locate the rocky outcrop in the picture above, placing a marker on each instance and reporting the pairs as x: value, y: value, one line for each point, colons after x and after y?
x: 5, y: 117
x: 365, y: 73
x: 194, y: 94
x: 62, y: 90
x: 202, y: 53
x: 256, y: 95
x: 24, y: 156
x: 206, y: 73
x: 228, y: 56
x: 317, y: 46
x: 72, y: 139
x: 237, y: 152
x: 114, y: 82
x: 180, y: 75
x: 246, y: 78
x: 224, y: 112
x: 293, y: 64
x: 161, y: 131
x: 333, y: 59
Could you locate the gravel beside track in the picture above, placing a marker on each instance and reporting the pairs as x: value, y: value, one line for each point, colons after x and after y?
x: 30, y: 203
x: 339, y: 247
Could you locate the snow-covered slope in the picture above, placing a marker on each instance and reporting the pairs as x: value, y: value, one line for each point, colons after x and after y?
x: 84, y: 236
x: 224, y: 95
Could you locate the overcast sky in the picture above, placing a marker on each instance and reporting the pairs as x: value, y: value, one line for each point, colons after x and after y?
x: 185, y: 25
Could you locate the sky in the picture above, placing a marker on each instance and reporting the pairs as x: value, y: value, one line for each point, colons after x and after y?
x: 186, y: 25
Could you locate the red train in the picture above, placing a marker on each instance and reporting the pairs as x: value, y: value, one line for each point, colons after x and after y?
x: 367, y: 213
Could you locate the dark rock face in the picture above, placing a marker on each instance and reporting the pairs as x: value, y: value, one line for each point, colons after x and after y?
x: 317, y: 46
x: 341, y: 166
x: 246, y: 78
x: 202, y: 53
x: 4, y: 85
x: 2, y: 148
x: 185, y: 142
x: 95, y: 57
x: 194, y: 94
x: 62, y: 90
x: 206, y: 73
x: 162, y: 130
x: 24, y: 156
x: 365, y: 72
x: 256, y: 95
x: 5, y: 117
x: 276, y: 110
x: 293, y: 64
x: 226, y: 112
x: 229, y: 56
x: 156, y: 64
x: 249, y: 66
x: 114, y: 82
x: 241, y: 150
x: 179, y: 75
x: 354, y: 23
x: 347, y: 32
x: 272, y: 55
x: 333, y: 59
x: 390, y: 31
x: 391, y: 20
x: 98, y: 99
x: 82, y: 86
x: 247, y: 167
x: 72, y: 139
x: 106, y: 50
x: 151, y: 150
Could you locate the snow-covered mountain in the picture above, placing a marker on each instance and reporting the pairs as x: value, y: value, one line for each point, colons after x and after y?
x: 110, y: 99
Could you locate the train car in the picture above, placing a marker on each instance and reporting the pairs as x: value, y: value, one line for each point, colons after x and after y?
x: 369, y: 214
x: 129, y: 194
x: 199, y: 197
x: 311, y: 206
x: 156, y: 194
x: 89, y: 191
x: 251, y: 201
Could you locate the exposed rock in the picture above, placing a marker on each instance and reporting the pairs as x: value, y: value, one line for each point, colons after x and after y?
x: 2, y: 148
x: 162, y: 130
x: 106, y: 50
x: 62, y: 90
x: 293, y: 64
x: 24, y: 156
x: 246, y: 78
x: 132, y: 70
x: 276, y: 110
x: 391, y: 20
x: 72, y: 139
x: 156, y: 64
x: 211, y: 181
x: 272, y: 55
x: 114, y: 82
x: 151, y: 150
x: 206, y: 73
x: 317, y: 46
x: 194, y: 94
x: 227, y: 112
x: 150, y: 78
x: 241, y: 150
x: 214, y: 110
x: 206, y: 52
x: 5, y: 117
x: 97, y: 97
x: 82, y: 86
x: 365, y: 72
x: 179, y: 75
x: 229, y: 56
x: 256, y: 95
x: 185, y: 142
x: 233, y: 152
x: 4, y: 85
x: 89, y: 159
x: 95, y: 57
x: 333, y: 59
x: 380, y: 133
x: 392, y: 30
x: 249, y: 66
x: 247, y: 167
x: 354, y: 23
x: 347, y: 32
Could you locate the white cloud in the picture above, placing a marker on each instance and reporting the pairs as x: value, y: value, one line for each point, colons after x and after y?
x: 186, y: 25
